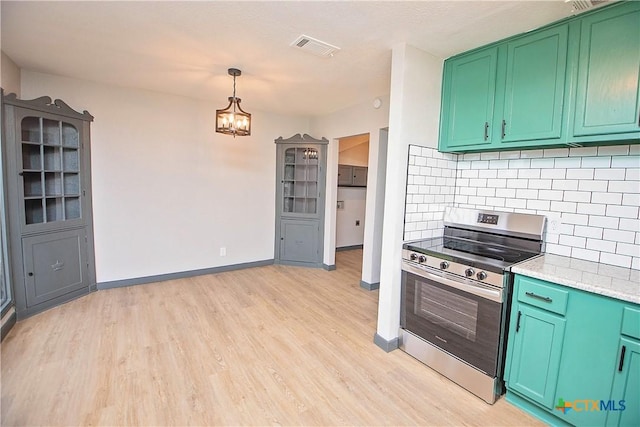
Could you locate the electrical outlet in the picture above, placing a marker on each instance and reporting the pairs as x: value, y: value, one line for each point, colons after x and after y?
x: 554, y: 225
x: 223, y: 251
x: 357, y: 223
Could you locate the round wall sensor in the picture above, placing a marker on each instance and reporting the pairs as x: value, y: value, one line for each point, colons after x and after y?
x: 377, y: 103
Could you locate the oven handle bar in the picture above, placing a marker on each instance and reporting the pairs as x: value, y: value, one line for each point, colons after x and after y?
x: 478, y: 290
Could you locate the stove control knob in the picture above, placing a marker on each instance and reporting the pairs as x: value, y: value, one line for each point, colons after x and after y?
x: 422, y: 258
x: 481, y: 275
x: 444, y: 265
x: 469, y: 272
x: 413, y: 256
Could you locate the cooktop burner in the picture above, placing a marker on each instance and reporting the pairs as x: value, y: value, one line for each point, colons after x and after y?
x: 478, y: 254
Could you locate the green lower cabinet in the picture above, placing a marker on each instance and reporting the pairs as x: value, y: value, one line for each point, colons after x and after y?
x: 537, y: 345
x: 564, y: 355
x: 626, y: 386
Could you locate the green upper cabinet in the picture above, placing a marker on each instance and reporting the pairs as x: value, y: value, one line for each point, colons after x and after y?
x: 608, y: 89
x: 535, y: 85
x: 576, y: 82
x: 506, y: 94
x: 469, y: 85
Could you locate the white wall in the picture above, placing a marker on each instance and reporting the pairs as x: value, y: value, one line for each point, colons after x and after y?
x: 414, y: 115
x: 354, y: 208
x: 356, y: 120
x: 168, y: 192
x: 355, y: 156
x: 9, y: 75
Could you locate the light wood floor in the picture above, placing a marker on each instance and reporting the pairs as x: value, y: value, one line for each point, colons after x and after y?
x: 272, y: 345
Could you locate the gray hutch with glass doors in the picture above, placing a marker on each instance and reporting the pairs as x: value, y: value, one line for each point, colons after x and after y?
x: 300, y: 200
x: 46, y: 154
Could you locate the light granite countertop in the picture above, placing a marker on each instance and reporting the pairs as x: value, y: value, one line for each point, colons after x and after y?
x: 608, y: 280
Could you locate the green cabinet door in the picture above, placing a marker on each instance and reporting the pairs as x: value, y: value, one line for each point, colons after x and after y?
x: 608, y: 89
x: 535, y: 358
x: 468, y: 100
x: 626, y: 386
x: 535, y: 85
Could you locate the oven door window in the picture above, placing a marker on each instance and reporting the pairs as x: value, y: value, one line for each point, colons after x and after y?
x: 459, y: 322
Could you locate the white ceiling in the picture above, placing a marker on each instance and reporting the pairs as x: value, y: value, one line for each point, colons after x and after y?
x: 185, y: 48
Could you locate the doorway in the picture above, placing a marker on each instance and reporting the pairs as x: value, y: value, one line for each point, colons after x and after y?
x: 353, y: 162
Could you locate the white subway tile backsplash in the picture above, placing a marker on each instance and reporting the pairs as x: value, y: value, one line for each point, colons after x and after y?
x: 619, y: 236
x: 520, y: 164
x: 569, y: 207
x: 625, y: 162
x: 624, y: 186
x: 556, y: 152
x: 507, y: 173
x: 531, y: 154
x: 576, y: 219
x: 609, y: 174
x: 632, y: 175
x: 592, y: 232
x: 551, y: 194
x: 604, y: 222
x: 614, y: 259
x: 517, y: 183
x: 596, y: 162
x: 488, y: 192
x: 558, y: 249
x: 601, y: 245
x: 470, y: 173
x: 567, y: 162
x: 573, y: 241
x: 543, y: 163
x: 506, y: 193
x: 527, y: 194
x: 583, y: 151
x: 510, y: 154
x: 586, y: 185
x: 594, y: 191
x: 415, y: 150
x: 628, y: 249
x: 564, y: 184
x: 580, y: 174
x: 591, y: 209
x: 538, y: 205
x: 622, y: 211
x: 516, y: 203
x: 529, y: 173
x: 629, y: 224
x: 491, y: 155
x: 540, y: 183
x: 480, y: 164
x: 589, y: 255
x: 613, y: 150
x: 498, y: 164
x: 576, y: 196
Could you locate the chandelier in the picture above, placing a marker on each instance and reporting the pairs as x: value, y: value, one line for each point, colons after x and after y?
x: 232, y: 120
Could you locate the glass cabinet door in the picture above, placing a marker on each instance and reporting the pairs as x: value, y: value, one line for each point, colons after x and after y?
x: 50, y: 160
x: 300, y: 180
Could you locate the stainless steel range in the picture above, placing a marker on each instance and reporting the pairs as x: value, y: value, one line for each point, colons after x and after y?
x: 456, y: 292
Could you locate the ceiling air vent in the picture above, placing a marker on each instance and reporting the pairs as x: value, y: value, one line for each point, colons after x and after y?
x: 314, y: 46
x: 584, y: 5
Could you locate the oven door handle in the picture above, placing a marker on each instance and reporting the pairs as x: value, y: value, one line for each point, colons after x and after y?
x: 478, y: 290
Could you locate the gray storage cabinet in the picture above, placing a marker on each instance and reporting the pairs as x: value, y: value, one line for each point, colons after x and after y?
x: 300, y: 200
x: 48, y: 180
x: 352, y: 176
